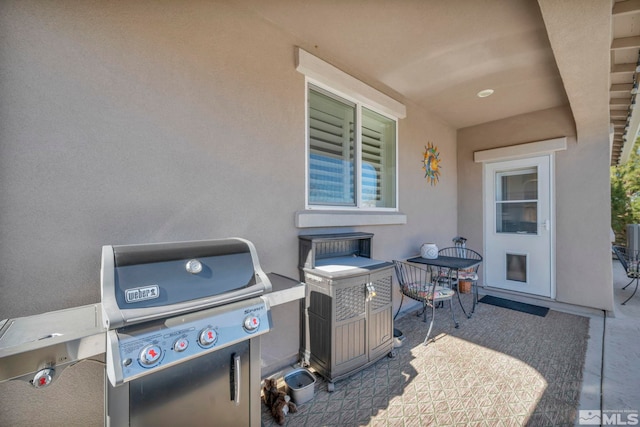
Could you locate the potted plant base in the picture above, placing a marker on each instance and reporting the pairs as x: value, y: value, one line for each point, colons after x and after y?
x: 464, y: 286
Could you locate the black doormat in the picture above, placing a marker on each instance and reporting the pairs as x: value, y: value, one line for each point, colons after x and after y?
x: 514, y: 305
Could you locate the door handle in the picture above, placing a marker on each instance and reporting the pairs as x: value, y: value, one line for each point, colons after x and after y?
x: 546, y: 224
x: 235, y: 379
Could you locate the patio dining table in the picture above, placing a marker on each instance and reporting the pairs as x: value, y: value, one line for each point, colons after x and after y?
x: 450, y: 265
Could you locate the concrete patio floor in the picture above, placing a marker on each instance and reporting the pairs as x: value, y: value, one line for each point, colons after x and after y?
x: 513, y: 381
x: 611, y: 380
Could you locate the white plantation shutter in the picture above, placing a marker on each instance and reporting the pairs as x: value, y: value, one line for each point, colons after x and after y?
x: 372, y: 154
x: 378, y: 160
x: 331, y: 150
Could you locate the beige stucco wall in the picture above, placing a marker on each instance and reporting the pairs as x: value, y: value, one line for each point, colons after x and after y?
x: 583, y: 251
x: 131, y: 122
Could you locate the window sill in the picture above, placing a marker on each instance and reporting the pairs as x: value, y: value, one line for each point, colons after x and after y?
x: 308, y: 219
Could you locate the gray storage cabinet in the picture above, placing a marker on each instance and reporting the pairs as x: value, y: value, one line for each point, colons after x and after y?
x: 347, y: 319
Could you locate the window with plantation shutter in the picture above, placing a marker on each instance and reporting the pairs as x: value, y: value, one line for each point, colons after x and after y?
x: 331, y: 150
x: 378, y: 160
x: 352, y: 154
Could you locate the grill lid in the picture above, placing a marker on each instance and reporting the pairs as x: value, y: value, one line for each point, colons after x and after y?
x: 149, y: 281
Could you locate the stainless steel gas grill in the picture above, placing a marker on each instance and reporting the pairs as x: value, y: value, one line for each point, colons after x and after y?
x: 179, y: 325
x: 183, y: 323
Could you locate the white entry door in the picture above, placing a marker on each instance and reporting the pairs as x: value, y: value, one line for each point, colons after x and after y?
x: 518, y: 225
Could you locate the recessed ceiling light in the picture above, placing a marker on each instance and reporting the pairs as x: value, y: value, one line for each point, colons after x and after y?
x: 485, y: 93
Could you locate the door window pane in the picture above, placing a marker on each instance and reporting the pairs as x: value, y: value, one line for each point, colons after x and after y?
x: 517, y: 201
x: 519, y: 217
x: 519, y: 185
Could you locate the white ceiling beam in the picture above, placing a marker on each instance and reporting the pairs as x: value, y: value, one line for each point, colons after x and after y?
x: 619, y: 93
x: 623, y: 68
x: 619, y: 102
x: 626, y: 7
x: 630, y: 137
x: 621, y: 87
x: 626, y: 43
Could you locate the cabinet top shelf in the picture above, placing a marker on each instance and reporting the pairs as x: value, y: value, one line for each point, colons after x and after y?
x: 315, y: 247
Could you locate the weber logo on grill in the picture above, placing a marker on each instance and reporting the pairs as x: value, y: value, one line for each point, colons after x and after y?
x: 141, y: 294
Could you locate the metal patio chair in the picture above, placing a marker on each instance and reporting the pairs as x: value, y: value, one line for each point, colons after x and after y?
x: 455, y: 276
x: 416, y: 283
x: 630, y: 261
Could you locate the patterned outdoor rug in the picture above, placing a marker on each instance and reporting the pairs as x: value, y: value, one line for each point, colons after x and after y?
x: 501, y: 367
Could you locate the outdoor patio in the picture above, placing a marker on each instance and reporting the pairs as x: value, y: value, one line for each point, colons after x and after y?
x: 501, y: 367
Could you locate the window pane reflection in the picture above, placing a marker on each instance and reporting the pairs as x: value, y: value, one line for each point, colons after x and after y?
x: 522, y: 185
x: 517, y: 217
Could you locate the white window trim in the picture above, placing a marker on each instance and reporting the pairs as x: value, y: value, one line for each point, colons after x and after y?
x: 337, y: 80
x: 530, y: 149
x: 325, y: 76
x: 308, y: 219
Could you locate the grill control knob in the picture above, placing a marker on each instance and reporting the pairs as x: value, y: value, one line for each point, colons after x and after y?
x: 43, y: 378
x: 193, y: 266
x: 181, y: 344
x: 208, y: 337
x: 150, y: 355
x: 251, y: 323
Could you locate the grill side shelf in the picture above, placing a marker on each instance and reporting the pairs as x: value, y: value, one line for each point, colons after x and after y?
x: 54, y: 339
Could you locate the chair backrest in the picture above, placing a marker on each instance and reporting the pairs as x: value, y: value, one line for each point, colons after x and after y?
x: 621, y: 253
x: 415, y: 280
x: 459, y: 252
x: 410, y: 274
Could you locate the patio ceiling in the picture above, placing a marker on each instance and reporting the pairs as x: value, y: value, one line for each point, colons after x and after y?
x: 440, y: 54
